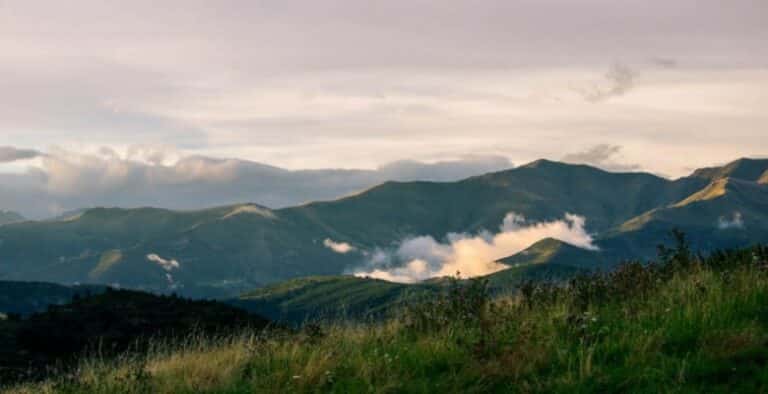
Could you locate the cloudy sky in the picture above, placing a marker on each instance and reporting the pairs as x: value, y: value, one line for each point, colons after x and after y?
x: 658, y: 85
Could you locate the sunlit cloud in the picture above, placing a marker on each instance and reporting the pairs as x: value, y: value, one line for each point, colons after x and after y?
x: 420, y: 258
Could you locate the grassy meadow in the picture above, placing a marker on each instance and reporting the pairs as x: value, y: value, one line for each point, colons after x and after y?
x: 684, y: 324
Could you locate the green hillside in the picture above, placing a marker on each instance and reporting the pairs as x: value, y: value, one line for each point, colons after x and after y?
x: 702, y: 214
x: 331, y: 298
x: 549, y: 249
x: 226, y: 251
x: 353, y: 298
x: 729, y: 212
x: 108, y: 323
x: 25, y: 298
x: 746, y: 169
x: 686, y: 324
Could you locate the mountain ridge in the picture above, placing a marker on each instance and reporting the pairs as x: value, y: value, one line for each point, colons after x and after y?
x: 229, y: 249
x: 744, y: 168
x: 10, y: 217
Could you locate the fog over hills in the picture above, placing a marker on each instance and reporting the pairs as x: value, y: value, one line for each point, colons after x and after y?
x: 407, y: 230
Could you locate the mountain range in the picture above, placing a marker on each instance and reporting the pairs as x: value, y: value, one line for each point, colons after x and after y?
x: 8, y: 217
x: 69, y: 181
x: 230, y: 250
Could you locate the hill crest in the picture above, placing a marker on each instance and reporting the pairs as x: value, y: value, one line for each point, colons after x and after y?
x: 744, y: 168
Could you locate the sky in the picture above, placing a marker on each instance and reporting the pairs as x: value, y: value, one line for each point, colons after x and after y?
x: 660, y: 86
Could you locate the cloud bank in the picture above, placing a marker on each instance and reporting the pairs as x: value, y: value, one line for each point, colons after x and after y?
x: 145, y: 176
x: 420, y: 258
x: 301, y: 83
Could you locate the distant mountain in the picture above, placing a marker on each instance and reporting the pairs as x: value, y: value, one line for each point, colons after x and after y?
x: 8, y: 217
x: 728, y: 212
x: 199, y: 182
x: 745, y: 169
x: 725, y: 199
x: 229, y: 250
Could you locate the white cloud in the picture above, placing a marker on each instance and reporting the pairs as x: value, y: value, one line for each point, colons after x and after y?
x: 734, y: 222
x: 420, y: 258
x: 62, y: 180
x: 338, y: 247
x: 168, y: 265
x: 239, y: 79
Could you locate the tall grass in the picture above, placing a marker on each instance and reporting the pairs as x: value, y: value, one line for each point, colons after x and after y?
x: 684, y: 324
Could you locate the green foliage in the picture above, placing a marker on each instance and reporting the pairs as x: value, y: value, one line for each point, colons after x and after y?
x: 683, y: 324
x: 109, y: 324
x: 331, y: 298
x: 361, y: 299
x: 25, y: 298
x: 463, y: 304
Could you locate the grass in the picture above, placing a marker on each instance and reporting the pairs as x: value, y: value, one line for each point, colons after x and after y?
x: 685, y: 325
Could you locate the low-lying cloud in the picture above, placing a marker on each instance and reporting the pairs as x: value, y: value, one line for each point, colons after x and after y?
x: 167, y: 265
x: 62, y: 180
x: 338, y: 247
x: 736, y: 221
x: 420, y: 258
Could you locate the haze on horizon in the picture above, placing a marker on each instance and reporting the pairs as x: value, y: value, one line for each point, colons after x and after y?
x: 91, y: 88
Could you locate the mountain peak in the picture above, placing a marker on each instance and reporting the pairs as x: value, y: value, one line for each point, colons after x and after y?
x: 549, y: 250
x: 722, y: 187
x: 552, y: 166
x: 540, y: 163
x: 745, y: 168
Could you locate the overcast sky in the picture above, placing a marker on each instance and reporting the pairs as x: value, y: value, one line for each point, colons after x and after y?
x: 658, y: 85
